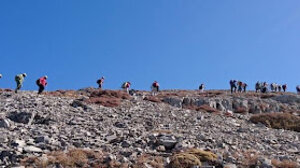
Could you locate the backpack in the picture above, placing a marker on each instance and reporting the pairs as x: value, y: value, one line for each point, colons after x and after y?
x: 37, y: 82
x: 98, y: 81
x: 124, y: 85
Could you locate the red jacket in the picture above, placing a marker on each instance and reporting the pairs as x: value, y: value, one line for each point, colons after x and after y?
x: 155, y: 84
x: 43, y: 81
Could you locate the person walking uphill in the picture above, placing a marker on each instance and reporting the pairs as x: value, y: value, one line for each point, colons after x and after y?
x: 155, y: 88
x: 245, y: 87
x: 100, y: 82
x: 126, y: 86
x: 202, y: 87
x: 240, y: 86
x: 42, y: 83
x: 284, y: 87
x: 232, y: 85
x: 298, y: 89
x: 19, y: 80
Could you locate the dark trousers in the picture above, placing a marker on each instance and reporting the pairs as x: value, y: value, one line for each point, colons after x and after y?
x: 41, y: 89
x: 232, y: 89
x: 19, y: 85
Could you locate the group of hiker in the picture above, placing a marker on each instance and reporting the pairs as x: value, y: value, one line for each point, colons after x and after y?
x: 274, y: 87
x: 263, y: 87
x: 41, y: 82
x: 126, y: 86
x: 235, y: 85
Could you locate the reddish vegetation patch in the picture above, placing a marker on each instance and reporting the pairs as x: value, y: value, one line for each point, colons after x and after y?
x: 63, y: 93
x: 6, y: 90
x: 190, y: 93
x: 284, y: 163
x: 152, y: 99
x: 278, y: 120
x: 241, y: 110
x: 146, y: 161
x: 107, y: 98
x: 73, y: 158
x: 268, y: 95
x: 204, y: 107
x: 207, y: 108
x: 214, y: 93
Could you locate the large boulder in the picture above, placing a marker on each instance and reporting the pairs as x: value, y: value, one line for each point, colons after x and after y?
x: 289, y: 99
x: 176, y: 102
x: 20, y: 117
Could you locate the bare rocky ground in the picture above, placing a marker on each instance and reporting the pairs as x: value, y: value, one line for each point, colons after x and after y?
x: 134, y: 126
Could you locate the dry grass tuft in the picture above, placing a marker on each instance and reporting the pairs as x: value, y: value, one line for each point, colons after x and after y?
x: 184, y: 160
x: 284, y: 164
x: 278, y: 121
x: 6, y: 90
x: 107, y: 98
x: 63, y: 93
x: 241, y: 110
x: 203, y: 156
x: 146, y: 161
x: 250, y: 158
x: 193, y: 157
x: 205, y: 108
x: 212, y: 93
x: 153, y: 99
x: 73, y: 158
x: 268, y: 95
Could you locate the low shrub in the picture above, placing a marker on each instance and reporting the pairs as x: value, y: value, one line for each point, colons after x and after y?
x: 278, y: 121
x: 146, y: 161
x: 250, y: 158
x: 107, y: 98
x: 192, y: 158
x: 207, y: 108
x: 63, y: 93
x: 284, y: 164
x: 184, y: 160
x: 152, y: 99
x: 203, y: 156
x: 71, y: 158
x: 241, y: 110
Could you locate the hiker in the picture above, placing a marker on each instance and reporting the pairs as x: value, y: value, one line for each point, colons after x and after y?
x: 298, y: 89
x: 42, y: 83
x: 155, y: 88
x: 273, y: 87
x: 100, y: 82
x: 264, y: 88
x: 279, y: 87
x: 245, y: 87
x: 126, y: 86
x: 284, y: 87
x: 257, y: 86
x: 201, y: 87
x: 232, y: 85
x: 240, y: 86
x: 276, y: 87
x: 19, y: 80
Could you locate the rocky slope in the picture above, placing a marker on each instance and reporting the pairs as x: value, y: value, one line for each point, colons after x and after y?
x: 33, y: 125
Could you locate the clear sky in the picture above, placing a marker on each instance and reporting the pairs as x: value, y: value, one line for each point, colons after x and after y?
x: 180, y: 43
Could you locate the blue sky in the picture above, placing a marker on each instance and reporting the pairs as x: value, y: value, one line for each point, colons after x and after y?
x: 180, y: 43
